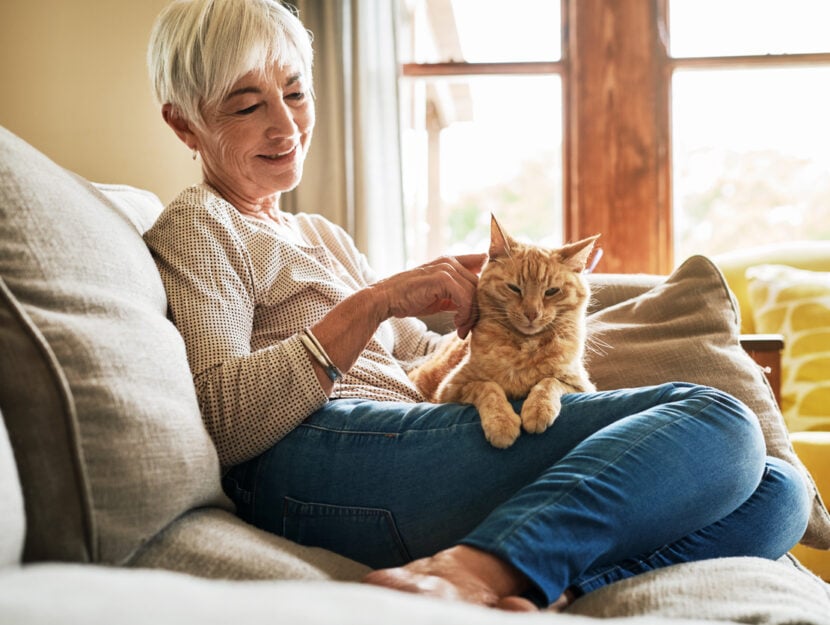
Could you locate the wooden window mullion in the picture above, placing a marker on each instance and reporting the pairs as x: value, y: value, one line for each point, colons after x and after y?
x: 617, y: 150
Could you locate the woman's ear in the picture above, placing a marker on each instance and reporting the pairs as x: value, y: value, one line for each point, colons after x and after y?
x: 180, y: 125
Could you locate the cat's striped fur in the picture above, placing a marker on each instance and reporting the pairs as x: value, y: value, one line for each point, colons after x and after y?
x: 529, y: 341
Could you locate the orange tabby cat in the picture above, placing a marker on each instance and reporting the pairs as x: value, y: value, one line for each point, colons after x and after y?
x: 529, y: 340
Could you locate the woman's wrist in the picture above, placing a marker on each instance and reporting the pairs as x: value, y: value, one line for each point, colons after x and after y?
x: 377, y: 303
x: 344, y: 332
x: 318, y: 352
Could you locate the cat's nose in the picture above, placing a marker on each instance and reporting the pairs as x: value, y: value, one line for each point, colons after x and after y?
x: 531, y: 315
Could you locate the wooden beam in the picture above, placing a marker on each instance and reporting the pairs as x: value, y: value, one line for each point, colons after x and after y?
x: 617, y: 134
x: 751, y: 62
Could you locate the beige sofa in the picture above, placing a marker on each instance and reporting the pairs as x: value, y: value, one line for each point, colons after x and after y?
x: 110, y: 505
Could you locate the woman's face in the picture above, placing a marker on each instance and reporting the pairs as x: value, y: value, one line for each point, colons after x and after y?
x: 255, y: 141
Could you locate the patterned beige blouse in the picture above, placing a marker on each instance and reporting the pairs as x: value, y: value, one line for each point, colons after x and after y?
x: 240, y: 290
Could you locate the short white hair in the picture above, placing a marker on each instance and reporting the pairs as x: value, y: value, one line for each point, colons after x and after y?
x: 200, y: 48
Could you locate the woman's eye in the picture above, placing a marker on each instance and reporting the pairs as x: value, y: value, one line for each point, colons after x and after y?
x: 297, y: 96
x: 514, y: 288
x: 248, y: 110
x: 552, y: 291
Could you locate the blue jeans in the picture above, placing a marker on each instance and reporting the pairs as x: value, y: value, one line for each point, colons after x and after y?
x: 623, y: 482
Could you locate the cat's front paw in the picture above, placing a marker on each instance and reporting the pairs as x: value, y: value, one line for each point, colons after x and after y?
x: 539, y: 411
x: 501, y: 429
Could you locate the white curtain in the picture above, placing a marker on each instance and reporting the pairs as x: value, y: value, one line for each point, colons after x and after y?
x: 353, y: 174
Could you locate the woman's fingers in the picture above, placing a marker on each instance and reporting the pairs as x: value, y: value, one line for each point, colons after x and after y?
x: 467, y: 265
x: 447, y: 283
x: 473, y: 262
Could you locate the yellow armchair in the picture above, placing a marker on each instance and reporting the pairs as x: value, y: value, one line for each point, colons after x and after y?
x: 810, y: 255
x: 813, y: 448
x: 810, y: 433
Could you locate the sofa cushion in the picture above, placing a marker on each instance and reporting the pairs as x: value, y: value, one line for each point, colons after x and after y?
x: 140, y: 206
x: 687, y: 329
x: 796, y: 304
x: 122, y: 411
x: 216, y: 544
x: 12, y: 517
x: 733, y: 590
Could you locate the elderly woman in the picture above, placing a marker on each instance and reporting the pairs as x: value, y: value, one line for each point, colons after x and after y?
x: 299, y: 359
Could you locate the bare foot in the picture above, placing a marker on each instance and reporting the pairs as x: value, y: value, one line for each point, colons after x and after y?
x: 461, y: 573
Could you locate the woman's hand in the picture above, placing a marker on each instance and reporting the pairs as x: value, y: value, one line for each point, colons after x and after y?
x: 444, y: 284
x: 447, y: 283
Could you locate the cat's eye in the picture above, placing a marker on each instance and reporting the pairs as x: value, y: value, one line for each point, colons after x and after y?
x: 552, y: 291
x: 514, y: 288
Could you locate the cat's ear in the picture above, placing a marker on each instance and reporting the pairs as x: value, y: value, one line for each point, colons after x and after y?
x: 575, y: 255
x: 499, y: 241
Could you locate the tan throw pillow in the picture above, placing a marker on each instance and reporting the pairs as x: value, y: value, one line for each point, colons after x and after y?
x: 687, y: 329
x: 97, y: 396
x: 796, y: 303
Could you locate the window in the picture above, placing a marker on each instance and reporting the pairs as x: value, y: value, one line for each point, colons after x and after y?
x: 750, y: 129
x: 482, y: 123
x: 670, y: 127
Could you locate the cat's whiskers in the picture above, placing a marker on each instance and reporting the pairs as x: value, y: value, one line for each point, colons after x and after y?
x: 594, y: 343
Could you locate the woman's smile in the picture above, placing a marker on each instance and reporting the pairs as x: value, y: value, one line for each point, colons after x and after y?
x: 279, y: 156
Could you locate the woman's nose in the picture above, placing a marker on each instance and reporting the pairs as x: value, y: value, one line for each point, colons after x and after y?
x: 282, y: 123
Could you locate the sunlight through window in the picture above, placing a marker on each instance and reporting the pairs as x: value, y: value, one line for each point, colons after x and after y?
x: 476, y: 143
x: 751, y: 145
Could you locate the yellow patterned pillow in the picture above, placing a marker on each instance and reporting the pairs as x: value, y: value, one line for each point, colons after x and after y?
x: 796, y: 303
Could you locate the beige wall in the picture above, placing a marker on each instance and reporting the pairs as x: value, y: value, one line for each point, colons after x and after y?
x: 73, y: 83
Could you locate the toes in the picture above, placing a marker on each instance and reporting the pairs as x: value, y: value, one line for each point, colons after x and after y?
x: 405, y: 580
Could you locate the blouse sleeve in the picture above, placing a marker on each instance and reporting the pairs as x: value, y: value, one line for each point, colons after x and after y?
x: 412, y: 339
x: 249, y: 399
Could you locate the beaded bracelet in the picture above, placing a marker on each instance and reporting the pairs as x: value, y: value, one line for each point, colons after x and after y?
x: 316, y: 350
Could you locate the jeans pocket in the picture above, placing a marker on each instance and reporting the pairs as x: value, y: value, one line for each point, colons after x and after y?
x: 366, y: 535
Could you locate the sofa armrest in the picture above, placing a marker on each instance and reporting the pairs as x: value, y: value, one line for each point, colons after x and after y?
x: 765, y: 349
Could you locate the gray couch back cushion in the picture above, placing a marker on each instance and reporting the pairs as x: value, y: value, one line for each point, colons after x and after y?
x: 12, y: 518
x: 108, y: 435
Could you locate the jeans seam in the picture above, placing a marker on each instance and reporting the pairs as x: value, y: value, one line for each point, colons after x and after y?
x: 355, y: 432
x: 585, y: 586
x: 645, y: 562
x: 454, y: 426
